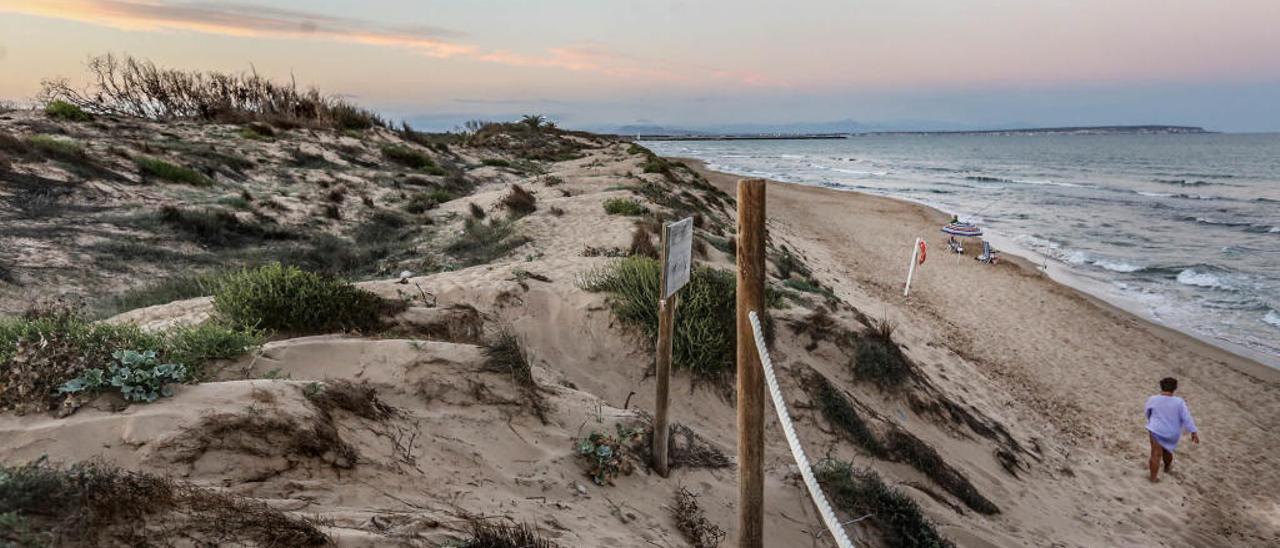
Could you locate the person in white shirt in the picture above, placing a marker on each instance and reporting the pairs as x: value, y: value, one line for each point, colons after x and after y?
x: 1167, y: 417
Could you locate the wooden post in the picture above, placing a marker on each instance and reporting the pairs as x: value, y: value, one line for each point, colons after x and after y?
x: 750, y: 293
x: 666, y: 324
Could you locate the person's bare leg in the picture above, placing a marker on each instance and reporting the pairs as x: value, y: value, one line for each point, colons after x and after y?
x: 1168, y: 459
x: 1154, y: 462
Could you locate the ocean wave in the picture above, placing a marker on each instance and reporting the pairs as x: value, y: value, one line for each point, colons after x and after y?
x: 1184, y: 182
x: 1210, y: 221
x: 1156, y: 194
x: 987, y: 179
x: 1117, y: 266
x: 1272, y: 317
x: 1197, y: 278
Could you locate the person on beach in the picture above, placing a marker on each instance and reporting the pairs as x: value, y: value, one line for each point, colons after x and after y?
x: 1167, y: 417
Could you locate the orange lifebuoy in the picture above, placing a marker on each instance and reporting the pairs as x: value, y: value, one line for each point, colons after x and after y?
x: 923, y: 248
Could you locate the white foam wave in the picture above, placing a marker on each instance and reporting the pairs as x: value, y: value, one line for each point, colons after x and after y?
x: 1196, y: 278
x: 1155, y: 194
x: 1274, y: 229
x: 1272, y: 317
x: 1116, y: 266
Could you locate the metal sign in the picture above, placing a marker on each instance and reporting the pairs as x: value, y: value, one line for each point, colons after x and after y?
x: 679, y: 256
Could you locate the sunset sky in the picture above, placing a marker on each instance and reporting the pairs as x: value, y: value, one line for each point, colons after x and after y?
x: 592, y: 63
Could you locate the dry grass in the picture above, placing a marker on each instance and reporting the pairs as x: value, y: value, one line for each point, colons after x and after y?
x: 519, y: 202
x: 693, y: 522
x: 486, y: 534
x: 642, y: 243
x: 505, y: 355
x: 360, y: 400
x: 265, y: 435
x: 91, y: 504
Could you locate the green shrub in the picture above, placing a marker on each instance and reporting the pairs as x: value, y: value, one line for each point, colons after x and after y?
x: 291, y: 300
x: 235, y: 202
x: 407, y: 157
x: 904, y: 447
x: 63, y: 110
x: 841, y: 414
x: 495, y: 162
x: 44, y: 350
x: 654, y: 164
x: 637, y: 149
x: 197, y: 345
x: 484, y: 242
x: 607, y: 457
x: 624, y: 206
x: 55, y: 148
x: 878, y: 358
x: 168, y: 290
x: 138, y: 375
x: 789, y: 264
x: 420, y: 203
x: 705, y: 339
x: 219, y: 228
x: 160, y: 169
x: 859, y: 493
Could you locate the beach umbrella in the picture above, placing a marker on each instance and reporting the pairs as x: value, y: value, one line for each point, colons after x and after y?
x: 963, y: 230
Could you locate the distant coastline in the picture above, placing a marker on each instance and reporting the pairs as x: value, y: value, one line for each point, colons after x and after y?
x: 1075, y: 130
x: 1082, y: 130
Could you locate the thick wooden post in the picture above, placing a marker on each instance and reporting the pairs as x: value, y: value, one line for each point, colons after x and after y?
x: 666, y: 324
x: 750, y: 293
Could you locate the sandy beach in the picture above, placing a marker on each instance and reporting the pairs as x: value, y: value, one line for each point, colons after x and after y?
x: 1074, y: 368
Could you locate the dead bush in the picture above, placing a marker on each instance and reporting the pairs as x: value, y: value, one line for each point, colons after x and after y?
x: 360, y: 400
x: 693, y: 522
x: 519, y: 202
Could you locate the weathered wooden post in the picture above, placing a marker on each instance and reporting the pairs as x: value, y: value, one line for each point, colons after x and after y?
x: 677, y: 261
x: 750, y: 295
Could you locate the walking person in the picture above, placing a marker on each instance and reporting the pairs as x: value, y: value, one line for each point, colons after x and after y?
x: 1167, y: 418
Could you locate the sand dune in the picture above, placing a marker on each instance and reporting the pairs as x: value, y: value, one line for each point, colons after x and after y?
x: 1025, y: 389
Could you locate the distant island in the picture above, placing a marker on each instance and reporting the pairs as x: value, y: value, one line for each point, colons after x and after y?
x: 1082, y: 130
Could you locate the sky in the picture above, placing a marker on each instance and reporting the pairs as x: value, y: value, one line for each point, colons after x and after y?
x: 696, y: 63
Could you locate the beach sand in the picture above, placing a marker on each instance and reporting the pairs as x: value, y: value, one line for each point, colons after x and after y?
x: 1075, y: 368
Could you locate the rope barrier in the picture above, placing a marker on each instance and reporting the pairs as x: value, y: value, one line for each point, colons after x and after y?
x: 797, y: 450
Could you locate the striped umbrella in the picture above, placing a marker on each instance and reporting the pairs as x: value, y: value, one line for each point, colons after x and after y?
x: 963, y: 230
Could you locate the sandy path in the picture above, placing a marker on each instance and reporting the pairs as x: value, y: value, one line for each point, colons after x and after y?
x: 1080, y: 367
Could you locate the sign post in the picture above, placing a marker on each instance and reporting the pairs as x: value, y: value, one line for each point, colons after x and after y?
x: 677, y: 262
x: 750, y: 297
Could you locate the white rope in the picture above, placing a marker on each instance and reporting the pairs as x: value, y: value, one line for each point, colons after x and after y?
x: 797, y: 450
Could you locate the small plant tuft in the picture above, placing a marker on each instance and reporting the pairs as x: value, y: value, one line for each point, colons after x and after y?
x: 624, y: 206
x: 878, y: 358
x: 606, y: 456
x: 519, y: 202
x: 160, y: 169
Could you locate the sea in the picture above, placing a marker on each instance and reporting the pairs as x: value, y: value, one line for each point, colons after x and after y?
x: 1181, y: 229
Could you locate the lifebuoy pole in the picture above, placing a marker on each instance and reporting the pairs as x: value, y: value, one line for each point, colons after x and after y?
x: 911, y: 270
